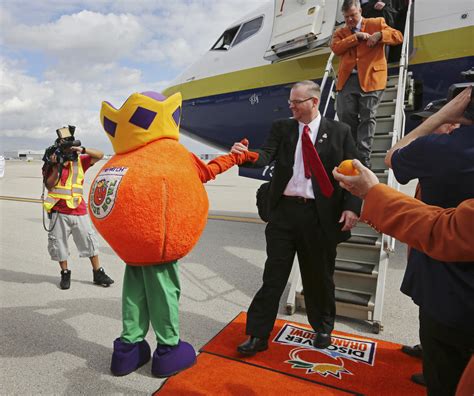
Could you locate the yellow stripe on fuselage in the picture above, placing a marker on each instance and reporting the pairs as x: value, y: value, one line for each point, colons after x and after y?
x: 441, y: 46
x: 431, y: 47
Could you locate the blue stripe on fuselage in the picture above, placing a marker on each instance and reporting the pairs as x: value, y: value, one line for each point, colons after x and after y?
x: 226, y: 118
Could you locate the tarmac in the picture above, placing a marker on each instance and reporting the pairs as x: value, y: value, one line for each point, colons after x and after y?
x: 59, y: 342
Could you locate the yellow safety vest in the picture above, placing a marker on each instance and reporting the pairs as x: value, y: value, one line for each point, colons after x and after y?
x: 71, y: 191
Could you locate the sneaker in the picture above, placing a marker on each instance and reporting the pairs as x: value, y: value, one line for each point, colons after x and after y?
x: 65, y: 279
x: 101, y: 278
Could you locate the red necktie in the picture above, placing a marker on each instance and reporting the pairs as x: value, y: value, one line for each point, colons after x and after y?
x: 312, y: 164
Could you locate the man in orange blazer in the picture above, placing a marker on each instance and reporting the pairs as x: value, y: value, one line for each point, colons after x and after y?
x: 362, y: 74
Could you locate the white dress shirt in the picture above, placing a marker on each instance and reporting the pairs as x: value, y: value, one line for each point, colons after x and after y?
x: 299, y: 185
x: 358, y: 27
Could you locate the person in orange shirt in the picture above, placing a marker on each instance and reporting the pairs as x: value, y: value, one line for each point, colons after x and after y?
x: 362, y: 73
x: 444, y: 234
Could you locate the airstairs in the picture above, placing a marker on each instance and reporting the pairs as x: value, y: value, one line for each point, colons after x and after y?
x: 362, y: 261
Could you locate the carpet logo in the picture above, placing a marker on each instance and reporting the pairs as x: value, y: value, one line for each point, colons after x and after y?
x: 322, y: 368
x: 325, y: 362
x: 104, y: 190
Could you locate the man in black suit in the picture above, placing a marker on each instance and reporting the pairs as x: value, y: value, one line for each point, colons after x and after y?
x: 306, y: 217
x: 377, y: 9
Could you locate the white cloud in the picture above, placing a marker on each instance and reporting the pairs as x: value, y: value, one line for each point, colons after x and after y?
x: 85, y: 36
x: 185, y: 30
x: 62, y: 58
x: 33, y: 108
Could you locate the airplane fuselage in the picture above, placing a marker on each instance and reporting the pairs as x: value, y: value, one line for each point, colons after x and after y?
x: 228, y: 95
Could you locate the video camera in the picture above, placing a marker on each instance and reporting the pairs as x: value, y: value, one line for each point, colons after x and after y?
x: 456, y: 89
x: 64, y: 141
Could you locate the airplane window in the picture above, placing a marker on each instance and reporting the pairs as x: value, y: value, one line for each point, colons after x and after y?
x: 224, y: 42
x: 248, y: 29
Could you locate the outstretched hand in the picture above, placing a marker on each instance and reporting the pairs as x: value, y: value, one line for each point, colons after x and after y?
x: 240, y: 147
x: 241, y: 152
x: 357, y: 185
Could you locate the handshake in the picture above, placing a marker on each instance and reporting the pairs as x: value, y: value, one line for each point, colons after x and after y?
x: 241, y: 153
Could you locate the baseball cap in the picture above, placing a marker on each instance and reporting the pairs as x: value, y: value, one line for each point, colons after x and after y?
x: 429, y: 109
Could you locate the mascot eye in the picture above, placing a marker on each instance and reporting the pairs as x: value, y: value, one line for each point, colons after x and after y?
x: 142, y: 117
x: 110, y: 126
x: 177, y: 115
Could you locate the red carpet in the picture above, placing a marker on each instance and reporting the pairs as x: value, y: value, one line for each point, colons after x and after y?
x: 214, y: 375
x: 351, y: 365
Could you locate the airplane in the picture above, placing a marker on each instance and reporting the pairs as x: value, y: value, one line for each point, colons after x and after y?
x: 241, y: 84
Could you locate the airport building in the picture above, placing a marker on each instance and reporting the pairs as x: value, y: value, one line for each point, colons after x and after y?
x: 26, y: 155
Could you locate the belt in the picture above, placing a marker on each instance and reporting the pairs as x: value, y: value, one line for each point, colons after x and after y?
x: 300, y: 200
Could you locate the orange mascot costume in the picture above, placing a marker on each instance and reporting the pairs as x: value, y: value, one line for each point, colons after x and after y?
x: 149, y: 204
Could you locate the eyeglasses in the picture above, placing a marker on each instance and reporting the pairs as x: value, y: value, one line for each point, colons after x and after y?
x: 297, y: 102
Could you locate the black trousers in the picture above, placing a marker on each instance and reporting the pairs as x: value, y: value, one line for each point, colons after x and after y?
x: 294, y: 228
x: 446, y: 352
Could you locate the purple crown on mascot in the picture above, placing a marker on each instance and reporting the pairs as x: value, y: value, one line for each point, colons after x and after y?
x: 147, y: 201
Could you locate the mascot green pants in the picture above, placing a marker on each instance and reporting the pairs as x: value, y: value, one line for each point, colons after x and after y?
x: 161, y: 283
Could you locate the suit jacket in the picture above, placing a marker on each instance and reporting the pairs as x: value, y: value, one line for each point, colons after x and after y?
x: 444, y: 234
x: 388, y: 12
x: 337, y: 145
x: 371, y: 62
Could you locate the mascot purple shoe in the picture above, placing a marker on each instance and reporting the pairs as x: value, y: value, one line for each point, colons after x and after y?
x: 149, y: 204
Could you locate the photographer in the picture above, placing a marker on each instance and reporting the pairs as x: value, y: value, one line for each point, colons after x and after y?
x: 63, y: 175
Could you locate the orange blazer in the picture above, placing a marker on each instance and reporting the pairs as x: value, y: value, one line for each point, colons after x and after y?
x: 444, y: 234
x: 371, y: 62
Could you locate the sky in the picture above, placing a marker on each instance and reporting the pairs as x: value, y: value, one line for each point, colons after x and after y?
x: 59, y: 59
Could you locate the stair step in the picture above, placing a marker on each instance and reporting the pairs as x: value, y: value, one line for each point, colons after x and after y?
x: 363, y: 239
x: 356, y: 267
x: 392, y: 80
x: 384, y: 125
x: 347, y: 300
x: 390, y: 93
x: 356, y: 252
x: 364, y: 229
x: 386, y: 109
x: 353, y: 297
x: 378, y: 160
x: 382, y: 175
x: 382, y: 142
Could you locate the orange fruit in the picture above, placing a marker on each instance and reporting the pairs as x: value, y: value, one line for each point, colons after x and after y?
x: 346, y: 168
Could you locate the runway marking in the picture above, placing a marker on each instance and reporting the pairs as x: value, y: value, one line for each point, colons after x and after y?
x: 240, y: 219
x: 236, y: 218
x: 20, y: 199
